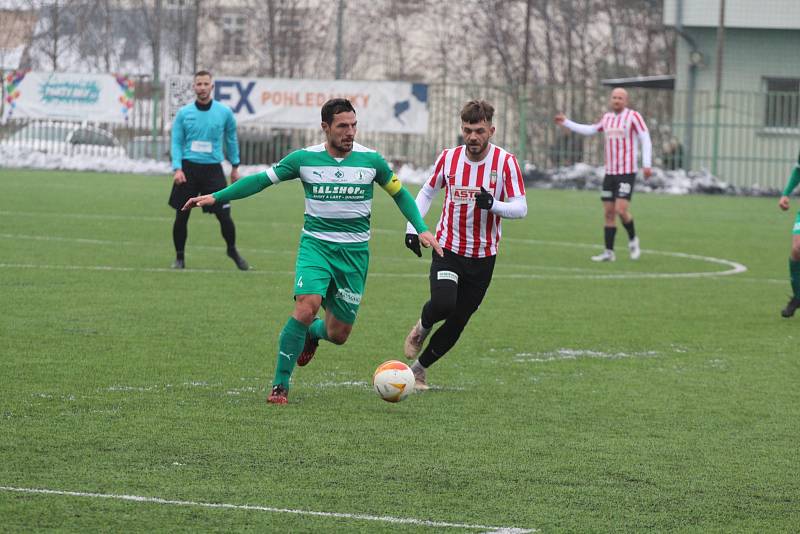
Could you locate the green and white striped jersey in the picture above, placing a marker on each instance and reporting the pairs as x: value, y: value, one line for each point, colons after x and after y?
x: 338, y: 194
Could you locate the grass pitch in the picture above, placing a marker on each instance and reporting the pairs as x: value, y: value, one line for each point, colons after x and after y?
x: 649, y: 395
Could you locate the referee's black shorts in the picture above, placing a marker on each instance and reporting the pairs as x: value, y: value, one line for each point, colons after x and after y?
x: 201, y: 179
x: 472, y: 275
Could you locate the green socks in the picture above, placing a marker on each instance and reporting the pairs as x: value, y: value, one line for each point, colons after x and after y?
x: 794, y: 276
x: 318, y: 330
x: 290, y: 345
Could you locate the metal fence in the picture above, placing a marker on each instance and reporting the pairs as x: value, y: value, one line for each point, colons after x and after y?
x: 749, y: 139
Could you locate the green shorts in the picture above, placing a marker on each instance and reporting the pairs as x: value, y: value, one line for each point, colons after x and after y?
x: 336, y: 271
x: 796, y: 227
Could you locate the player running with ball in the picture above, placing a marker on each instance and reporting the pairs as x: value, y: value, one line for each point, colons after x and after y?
x: 333, y: 256
x: 483, y: 184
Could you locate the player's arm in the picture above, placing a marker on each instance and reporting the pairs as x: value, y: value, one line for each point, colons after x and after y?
x: 514, y: 208
x: 794, y: 180
x: 647, y: 145
x: 391, y: 184
x: 517, y: 206
x: 286, y: 169
x: 177, y: 149
x: 583, y: 129
x: 423, y: 201
x: 406, y: 203
x: 232, y: 145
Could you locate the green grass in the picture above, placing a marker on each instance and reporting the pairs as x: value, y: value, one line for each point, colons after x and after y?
x: 679, y: 408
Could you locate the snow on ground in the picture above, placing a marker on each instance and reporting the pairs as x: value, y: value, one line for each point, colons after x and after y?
x: 578, y: 176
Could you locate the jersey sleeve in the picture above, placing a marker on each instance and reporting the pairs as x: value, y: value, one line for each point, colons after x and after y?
x: 583, y: 129
x: 513, y: 184
x: 286, y: 169
x: 436, y: 181
x: 637, y: 122
x: 794, y: 179
x: 383, y: 173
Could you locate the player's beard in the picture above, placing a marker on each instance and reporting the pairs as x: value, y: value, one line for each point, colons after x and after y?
x: 477, y: 149
x: 343, y: 146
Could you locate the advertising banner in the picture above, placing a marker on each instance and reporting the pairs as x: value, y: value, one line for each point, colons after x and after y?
x: 65, y: 96
x: 396, y: 107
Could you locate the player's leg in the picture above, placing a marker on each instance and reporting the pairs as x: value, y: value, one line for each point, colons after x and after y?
x: 443, y: 281
x: 608, y: 195
x: 794, y: 272
x: 622, y: 209
x: 348, y: 274
x: 214, y: 180
x: 290, y: 343
x: 312, y: 278
x: 330, y: 329
x: 471, y: 291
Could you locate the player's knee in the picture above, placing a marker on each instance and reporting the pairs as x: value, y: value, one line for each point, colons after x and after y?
x: 339, y: 335
x: 305, y: 309
x: 795, y: 253
x: 338, y: 338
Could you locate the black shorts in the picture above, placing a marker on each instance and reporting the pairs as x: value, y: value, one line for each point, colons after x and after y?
x: 201, y: 179
x: 473, y: 276
x: 617, y: 186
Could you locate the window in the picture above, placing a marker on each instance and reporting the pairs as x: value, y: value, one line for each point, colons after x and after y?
x: 233, y: 27
x: 783, y: 103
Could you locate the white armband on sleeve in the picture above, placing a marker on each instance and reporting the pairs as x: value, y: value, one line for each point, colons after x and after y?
x: 423, y: 200
x: 515, y: 208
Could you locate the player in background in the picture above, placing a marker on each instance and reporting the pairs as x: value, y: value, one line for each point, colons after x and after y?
x: 199, y: 132
x: 333, y: 255
x: 622, y: 127
x: 482, y: 184
x: 794, y: 256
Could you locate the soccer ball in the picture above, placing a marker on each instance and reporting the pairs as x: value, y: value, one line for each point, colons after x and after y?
x: 393, y: 381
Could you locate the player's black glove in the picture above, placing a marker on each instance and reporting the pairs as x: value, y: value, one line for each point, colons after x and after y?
x: 484, y: 199
x: 412, y: 242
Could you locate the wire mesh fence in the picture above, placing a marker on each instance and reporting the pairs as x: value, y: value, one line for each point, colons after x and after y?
x: 746, y: 138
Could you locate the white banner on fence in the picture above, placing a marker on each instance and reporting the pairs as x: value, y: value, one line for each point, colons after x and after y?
x: 397, y: 107
x: 84, y: 97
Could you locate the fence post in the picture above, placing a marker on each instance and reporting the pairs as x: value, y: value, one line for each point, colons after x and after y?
x: 523, y: 128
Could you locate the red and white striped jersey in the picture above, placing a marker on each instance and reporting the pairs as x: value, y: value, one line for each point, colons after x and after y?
x: 622, y: 150
x: 463, y: 228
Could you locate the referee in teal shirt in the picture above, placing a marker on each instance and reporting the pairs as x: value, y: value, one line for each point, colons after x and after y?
x: 198, y: 134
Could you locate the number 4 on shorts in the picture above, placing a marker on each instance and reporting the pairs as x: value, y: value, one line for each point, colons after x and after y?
x: 300, y: 281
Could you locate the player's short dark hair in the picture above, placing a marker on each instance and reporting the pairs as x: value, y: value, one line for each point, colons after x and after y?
x: 333, y: 107
x: 477, y: 111
x: 203, y: 73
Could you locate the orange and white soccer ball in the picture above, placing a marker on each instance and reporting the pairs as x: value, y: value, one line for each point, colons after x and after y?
x: 393, y: 381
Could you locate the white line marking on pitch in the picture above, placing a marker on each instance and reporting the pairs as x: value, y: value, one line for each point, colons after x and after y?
x: 735, y: 267
x: 581, y: 274
x: 256, y: 508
